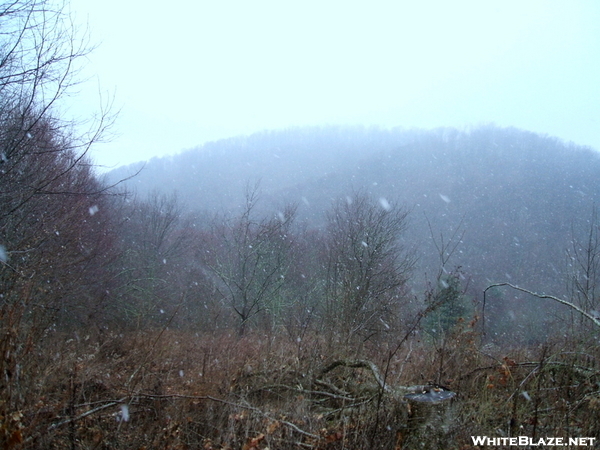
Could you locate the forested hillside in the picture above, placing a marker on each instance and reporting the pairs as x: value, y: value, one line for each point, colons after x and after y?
x: 518, y: 200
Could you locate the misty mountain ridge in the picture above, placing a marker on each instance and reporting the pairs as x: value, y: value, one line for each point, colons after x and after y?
x: 520, y: 198
x: 214, y: 176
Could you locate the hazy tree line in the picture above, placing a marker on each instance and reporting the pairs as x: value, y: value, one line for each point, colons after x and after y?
x: 520, y: 197
x: 267, y: 272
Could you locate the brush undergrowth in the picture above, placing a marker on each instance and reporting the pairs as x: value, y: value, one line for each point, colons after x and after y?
x: 179, y: 390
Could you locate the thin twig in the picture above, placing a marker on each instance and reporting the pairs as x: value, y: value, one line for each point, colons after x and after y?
x: 73, y: 419
x: 229, y: 403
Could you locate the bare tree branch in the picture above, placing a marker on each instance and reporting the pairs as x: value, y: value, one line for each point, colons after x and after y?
x: 574, y: 307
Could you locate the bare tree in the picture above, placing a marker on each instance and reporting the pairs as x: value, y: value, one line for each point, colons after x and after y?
x: 248, y: 258
x: 367, y: 266
x: 583, y: 276
x: 53, y: 216
x: 583, y: 269
x: 153, y: 268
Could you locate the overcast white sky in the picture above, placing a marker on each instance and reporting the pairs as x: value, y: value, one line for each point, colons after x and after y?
x: 187, y: 72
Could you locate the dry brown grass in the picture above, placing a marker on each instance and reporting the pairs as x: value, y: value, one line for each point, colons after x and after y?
x: 180, y: 390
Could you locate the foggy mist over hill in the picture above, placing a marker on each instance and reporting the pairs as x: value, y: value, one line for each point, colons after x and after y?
x: 519, y: 198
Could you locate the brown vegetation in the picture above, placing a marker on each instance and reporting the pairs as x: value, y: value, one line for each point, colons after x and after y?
x: 178, y: 390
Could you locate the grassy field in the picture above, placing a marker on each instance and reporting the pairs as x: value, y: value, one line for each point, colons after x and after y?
x: 179, y: 390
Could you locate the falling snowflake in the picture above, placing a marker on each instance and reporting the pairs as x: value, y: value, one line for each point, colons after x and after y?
x: 445, y: 198
x: 385, y: 204
x: 124, y: 415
